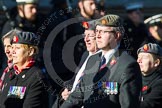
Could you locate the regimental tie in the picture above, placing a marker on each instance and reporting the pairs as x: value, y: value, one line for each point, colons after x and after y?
x: 102, y: 65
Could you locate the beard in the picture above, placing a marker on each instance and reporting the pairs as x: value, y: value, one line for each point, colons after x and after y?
x: 87, y: 13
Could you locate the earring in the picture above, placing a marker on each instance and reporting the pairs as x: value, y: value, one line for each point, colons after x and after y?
x: 156, y: 65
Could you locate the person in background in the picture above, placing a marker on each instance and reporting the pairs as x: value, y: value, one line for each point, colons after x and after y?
x: 6, y: 39
x: 87, y: 9
x: 154, y: 24
x: 150, y: 62
x: 27, y: 18
x: 136, y: 33
x: 101, y: 8
x: 109, y: 75
x: 25, y: 87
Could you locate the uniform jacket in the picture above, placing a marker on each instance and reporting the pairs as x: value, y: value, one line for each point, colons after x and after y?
x: 122, y: 72
x: 22, y: 24
x: 152, y: 91
x: 26, y: 90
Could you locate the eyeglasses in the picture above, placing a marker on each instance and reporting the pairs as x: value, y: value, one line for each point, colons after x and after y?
x: 88, y: 35
x: 104, y: 32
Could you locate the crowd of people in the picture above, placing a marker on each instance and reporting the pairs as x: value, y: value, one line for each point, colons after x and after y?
x: 118, y: 62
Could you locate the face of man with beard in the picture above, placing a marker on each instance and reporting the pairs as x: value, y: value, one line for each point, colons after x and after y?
x: 89, y: 7
x: 28, y: 11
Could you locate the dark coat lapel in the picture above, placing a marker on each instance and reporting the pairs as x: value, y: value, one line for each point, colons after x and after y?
x: 92, y: 68
x: 113, y: 63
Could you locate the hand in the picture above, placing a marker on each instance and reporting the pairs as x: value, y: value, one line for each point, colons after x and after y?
x: 65, y: 94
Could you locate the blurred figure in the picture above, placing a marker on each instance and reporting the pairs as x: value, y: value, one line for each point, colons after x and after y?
x: 25, y: 86
x: 87, y: 8
x: 154, y: 24
x: 6, y: 39
x: 134, y: 12
x: 101, y: 8
x: 27, y: 18
x: 150, y: 61
x: 135, y: 29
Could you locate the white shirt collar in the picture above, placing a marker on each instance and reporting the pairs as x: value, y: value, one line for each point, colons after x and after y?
x: 110, y: 53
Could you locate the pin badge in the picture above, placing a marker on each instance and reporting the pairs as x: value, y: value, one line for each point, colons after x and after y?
x: 23, y: 76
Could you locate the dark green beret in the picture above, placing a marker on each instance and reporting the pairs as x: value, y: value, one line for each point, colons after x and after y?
x: 110, y: 20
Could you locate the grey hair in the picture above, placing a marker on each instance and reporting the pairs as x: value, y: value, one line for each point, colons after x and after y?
x: 120, y: 29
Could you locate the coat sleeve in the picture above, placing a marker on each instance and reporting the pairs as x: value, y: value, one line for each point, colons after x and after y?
x: 75, y: 99
x: 154, y: 98
x: 130, y: 87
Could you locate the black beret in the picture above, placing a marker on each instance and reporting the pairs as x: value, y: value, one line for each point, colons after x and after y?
x: 89, y: 25
x: 10, y: 34
x: 151, y: 48
x: 28, y: 38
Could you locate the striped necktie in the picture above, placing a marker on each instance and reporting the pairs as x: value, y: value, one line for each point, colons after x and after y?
x: 103, y: 62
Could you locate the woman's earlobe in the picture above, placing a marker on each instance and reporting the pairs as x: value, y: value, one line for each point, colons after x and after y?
x: 157, y: 63
x: 31, y: 52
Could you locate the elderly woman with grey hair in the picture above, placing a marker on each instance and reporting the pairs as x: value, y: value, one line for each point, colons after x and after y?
x: 150, y: 61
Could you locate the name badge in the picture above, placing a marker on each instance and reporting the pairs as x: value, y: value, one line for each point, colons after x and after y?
x: 17, y: 91
x: 108, y: 88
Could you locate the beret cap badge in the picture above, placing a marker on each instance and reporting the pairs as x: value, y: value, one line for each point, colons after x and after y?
x: 15, y: 39
x: 104, y: 21
x: 85, y: 25
x: 145, y: 48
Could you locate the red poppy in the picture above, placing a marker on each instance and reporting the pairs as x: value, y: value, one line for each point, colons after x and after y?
x: 145, y: 48
x: 15, y: 39
x: 113, y: 62
x: 85, y: 25
x: 144, y: 88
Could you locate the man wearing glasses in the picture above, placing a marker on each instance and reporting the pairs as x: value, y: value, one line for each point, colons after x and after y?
x: 90, y: 41
x: 112, y: 78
